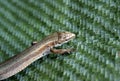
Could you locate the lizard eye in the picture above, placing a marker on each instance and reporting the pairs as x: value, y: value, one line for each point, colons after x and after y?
x: 66, y: 40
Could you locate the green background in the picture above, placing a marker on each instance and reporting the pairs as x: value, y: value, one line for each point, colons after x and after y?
x: 96, y: 24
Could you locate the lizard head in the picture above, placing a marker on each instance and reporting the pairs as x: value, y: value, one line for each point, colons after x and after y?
x: 64, y: 37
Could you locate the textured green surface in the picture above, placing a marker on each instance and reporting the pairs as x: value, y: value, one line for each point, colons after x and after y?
x: 95, y: 22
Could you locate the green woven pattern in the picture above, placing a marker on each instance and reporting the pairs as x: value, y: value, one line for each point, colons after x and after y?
x: 97, y: 42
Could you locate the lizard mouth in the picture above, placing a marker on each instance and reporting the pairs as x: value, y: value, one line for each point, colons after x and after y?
x: 64, y: 37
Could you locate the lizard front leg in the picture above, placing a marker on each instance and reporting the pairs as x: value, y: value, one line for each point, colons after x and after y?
x: 60, y: 51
